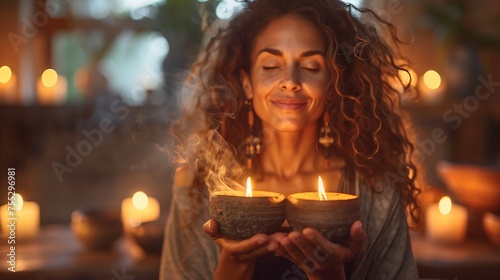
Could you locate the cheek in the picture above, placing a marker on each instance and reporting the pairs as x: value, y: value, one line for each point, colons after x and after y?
x: 318, y: 110
x: 259, y: 105
x: 322, y: 89
x: 318, y: 91
x: 263, y: 81
x: 319, y: 95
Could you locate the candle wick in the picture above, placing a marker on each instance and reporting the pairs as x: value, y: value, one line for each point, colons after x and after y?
x: 323, y: 196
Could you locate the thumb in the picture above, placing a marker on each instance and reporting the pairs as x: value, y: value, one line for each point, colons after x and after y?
x: 357, y: 238
x: 212, y: 229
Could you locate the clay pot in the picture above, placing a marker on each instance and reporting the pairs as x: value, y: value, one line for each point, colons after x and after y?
x: 149, y: 236
x: 240, y: 217
x: 333, y: 218
x: 96, y: 229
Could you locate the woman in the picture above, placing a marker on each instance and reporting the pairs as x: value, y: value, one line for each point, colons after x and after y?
x: 288, y: 91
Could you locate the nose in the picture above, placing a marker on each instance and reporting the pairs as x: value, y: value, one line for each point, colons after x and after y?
x: 291, y: 81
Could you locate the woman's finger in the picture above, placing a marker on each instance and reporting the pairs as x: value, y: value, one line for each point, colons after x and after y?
x: 211, y: 227
x: 357, y: 238
x: 299, y: 250
x: 323, y: 248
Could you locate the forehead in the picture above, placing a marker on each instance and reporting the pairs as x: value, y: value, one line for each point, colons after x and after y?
x: 291, y: 33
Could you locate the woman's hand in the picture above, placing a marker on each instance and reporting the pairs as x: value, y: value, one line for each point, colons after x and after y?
x: 316, y: 256
x: 248, y: 249
x: 237, y: 259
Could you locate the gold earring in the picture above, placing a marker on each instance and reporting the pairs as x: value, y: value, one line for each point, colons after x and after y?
x: 252, y: 142
x: 325, y: 139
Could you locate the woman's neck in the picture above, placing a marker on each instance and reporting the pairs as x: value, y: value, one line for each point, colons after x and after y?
x: 287, y: 154
x: 291, y: 162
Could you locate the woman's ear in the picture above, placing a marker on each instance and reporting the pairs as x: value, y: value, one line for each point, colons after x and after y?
x: 246, y: 84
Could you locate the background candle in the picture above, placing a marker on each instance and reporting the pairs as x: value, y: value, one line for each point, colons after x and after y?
x: 7, y: 85
x: 51, y: 88
x: 139, y: 209
x: 446, y: 222
x: 26, y: 217
x: 431, y: 87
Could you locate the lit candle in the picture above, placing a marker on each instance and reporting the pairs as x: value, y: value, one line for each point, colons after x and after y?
x: 7, y: 85
x: 51, y: 88
x: 431, y: 87
x: 20, y: 221
x: 241, y: 215
x: 446, y: 223
x: 139, y: 209
x: 330, y: 213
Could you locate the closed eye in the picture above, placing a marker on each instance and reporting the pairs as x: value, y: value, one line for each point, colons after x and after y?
x: 269, y: 68
x: 312, y: 70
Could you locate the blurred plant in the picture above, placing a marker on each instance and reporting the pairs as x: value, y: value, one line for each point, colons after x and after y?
x: 180, y: 23
x: 464, y: 29
x: 458, y: 22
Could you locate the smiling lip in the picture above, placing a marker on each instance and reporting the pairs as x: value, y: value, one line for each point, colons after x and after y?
x: 289, y: 104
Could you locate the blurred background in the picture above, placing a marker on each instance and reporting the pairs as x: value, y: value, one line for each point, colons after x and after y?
x: 87, y: 94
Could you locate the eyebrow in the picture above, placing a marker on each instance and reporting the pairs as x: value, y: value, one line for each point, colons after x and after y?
x: 279, y: 53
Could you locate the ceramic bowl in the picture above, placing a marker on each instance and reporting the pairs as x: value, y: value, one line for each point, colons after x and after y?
x: 240, y: 217
x: 475, y: 186
x: 333, y: 218
x: 149, y: 236
x: 96, y: 229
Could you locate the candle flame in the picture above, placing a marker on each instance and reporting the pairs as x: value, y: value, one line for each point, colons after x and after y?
x: 249, y: 187
x: 445, y: 205
x: 321, y: 190
x: 5, y: 74
x: 19, y: 202
x: 49, y: 77
x: 140, y: 200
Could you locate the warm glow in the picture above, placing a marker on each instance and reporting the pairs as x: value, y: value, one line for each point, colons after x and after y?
x: 406, y: 76
x: 321, y: 189
x: 249, y: 187
x: 49, y: 78
x: 140, y: 200
x: 432, y: 79
x: 134, y: 221
x: 5, y: 74
x: 19, y: 202
x: 445, y: 205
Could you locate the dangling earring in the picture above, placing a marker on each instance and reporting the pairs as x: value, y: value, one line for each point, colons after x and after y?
x: 252, y: 143
x: 325, y: 139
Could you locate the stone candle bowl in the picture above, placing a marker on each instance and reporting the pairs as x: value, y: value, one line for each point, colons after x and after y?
x: 333, y: 218
x: 240, y: 217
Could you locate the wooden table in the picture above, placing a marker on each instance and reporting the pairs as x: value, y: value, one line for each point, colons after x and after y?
x: 475, y: 259
x: 57, y: 255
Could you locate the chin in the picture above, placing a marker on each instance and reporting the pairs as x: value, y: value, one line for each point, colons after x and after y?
x: 288, y: 126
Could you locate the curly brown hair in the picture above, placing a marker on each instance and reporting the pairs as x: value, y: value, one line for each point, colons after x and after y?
x: 363, y: 104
